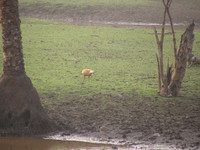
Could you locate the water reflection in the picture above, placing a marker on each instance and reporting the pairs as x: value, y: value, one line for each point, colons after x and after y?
x: 45, y: 144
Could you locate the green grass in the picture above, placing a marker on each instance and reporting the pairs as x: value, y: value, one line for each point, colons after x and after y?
x: 55, y: 4
x: 123, y: 60
x: 85, y: 3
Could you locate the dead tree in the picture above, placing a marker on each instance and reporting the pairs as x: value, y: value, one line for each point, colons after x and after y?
x: 169, y: 84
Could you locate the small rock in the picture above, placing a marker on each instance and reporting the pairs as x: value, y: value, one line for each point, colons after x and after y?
x: 156, y: 134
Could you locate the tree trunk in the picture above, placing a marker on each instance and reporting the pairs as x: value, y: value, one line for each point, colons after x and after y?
x: 185, y: 49
x: 21, y: 112
x: 175, y: 78
x: 170, y: 83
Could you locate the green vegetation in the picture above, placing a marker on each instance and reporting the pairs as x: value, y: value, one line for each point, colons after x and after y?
x: 96, y: 3
x: 85, y: 3
x: 123, y: 60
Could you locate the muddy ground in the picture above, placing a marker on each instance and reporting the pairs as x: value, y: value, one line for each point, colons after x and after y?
x: 130, y: 119
x: 182, y: 11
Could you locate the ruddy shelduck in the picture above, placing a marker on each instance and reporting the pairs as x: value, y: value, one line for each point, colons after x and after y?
x: 87, y: 72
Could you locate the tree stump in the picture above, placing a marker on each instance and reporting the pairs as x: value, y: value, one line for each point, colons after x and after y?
x: 21, y: 112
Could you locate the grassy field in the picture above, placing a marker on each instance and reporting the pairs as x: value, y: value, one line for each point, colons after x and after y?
x: 97, y: 3
x: 85, y: 3
x: 123, y: 60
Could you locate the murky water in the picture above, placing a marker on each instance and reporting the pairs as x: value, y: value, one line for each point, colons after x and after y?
x: 47, y: 144
x: 75, y: 142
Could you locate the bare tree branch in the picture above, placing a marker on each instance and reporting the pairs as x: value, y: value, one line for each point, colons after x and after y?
x: 163, y: 2
x: 173, y: 33
x: 160, y: 43
x: 159, y: 77
x: 169, y: 84
x: 170, y: 1
x: 156, y: 35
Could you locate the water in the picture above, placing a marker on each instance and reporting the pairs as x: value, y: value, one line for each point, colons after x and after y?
x: 47, y: 144
x: 60, y: 141
x: 57, y: 142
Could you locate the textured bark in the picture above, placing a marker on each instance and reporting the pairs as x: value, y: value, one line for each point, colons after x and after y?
x: 170, y: 83
x: 163, y: 80
x: 11, y: 35
x: 185, y: 49
x: 21, y: 112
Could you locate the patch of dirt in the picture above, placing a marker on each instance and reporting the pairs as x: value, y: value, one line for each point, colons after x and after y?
x: 130, y: 119
x: 182, y: 12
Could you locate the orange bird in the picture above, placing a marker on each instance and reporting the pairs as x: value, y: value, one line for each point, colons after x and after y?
x: 87, y: 72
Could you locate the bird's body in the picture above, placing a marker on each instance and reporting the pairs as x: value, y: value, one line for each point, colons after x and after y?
x: 87, y: 72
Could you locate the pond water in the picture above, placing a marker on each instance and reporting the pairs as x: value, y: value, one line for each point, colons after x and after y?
x: 57, y: 142
x: 48, y: 144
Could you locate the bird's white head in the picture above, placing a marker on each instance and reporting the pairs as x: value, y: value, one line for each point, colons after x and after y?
x: 92, y: 71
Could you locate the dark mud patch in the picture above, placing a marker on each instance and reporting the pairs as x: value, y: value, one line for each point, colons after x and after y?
x: 129, y: 119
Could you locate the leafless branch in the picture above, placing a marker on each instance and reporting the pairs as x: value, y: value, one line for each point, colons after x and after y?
x: 156, y: 35
x: 173, y: 33
x: 159, y: 77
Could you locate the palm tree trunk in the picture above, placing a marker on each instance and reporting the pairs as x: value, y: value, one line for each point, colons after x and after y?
x: 12, y: 45
x: 21, y: 112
